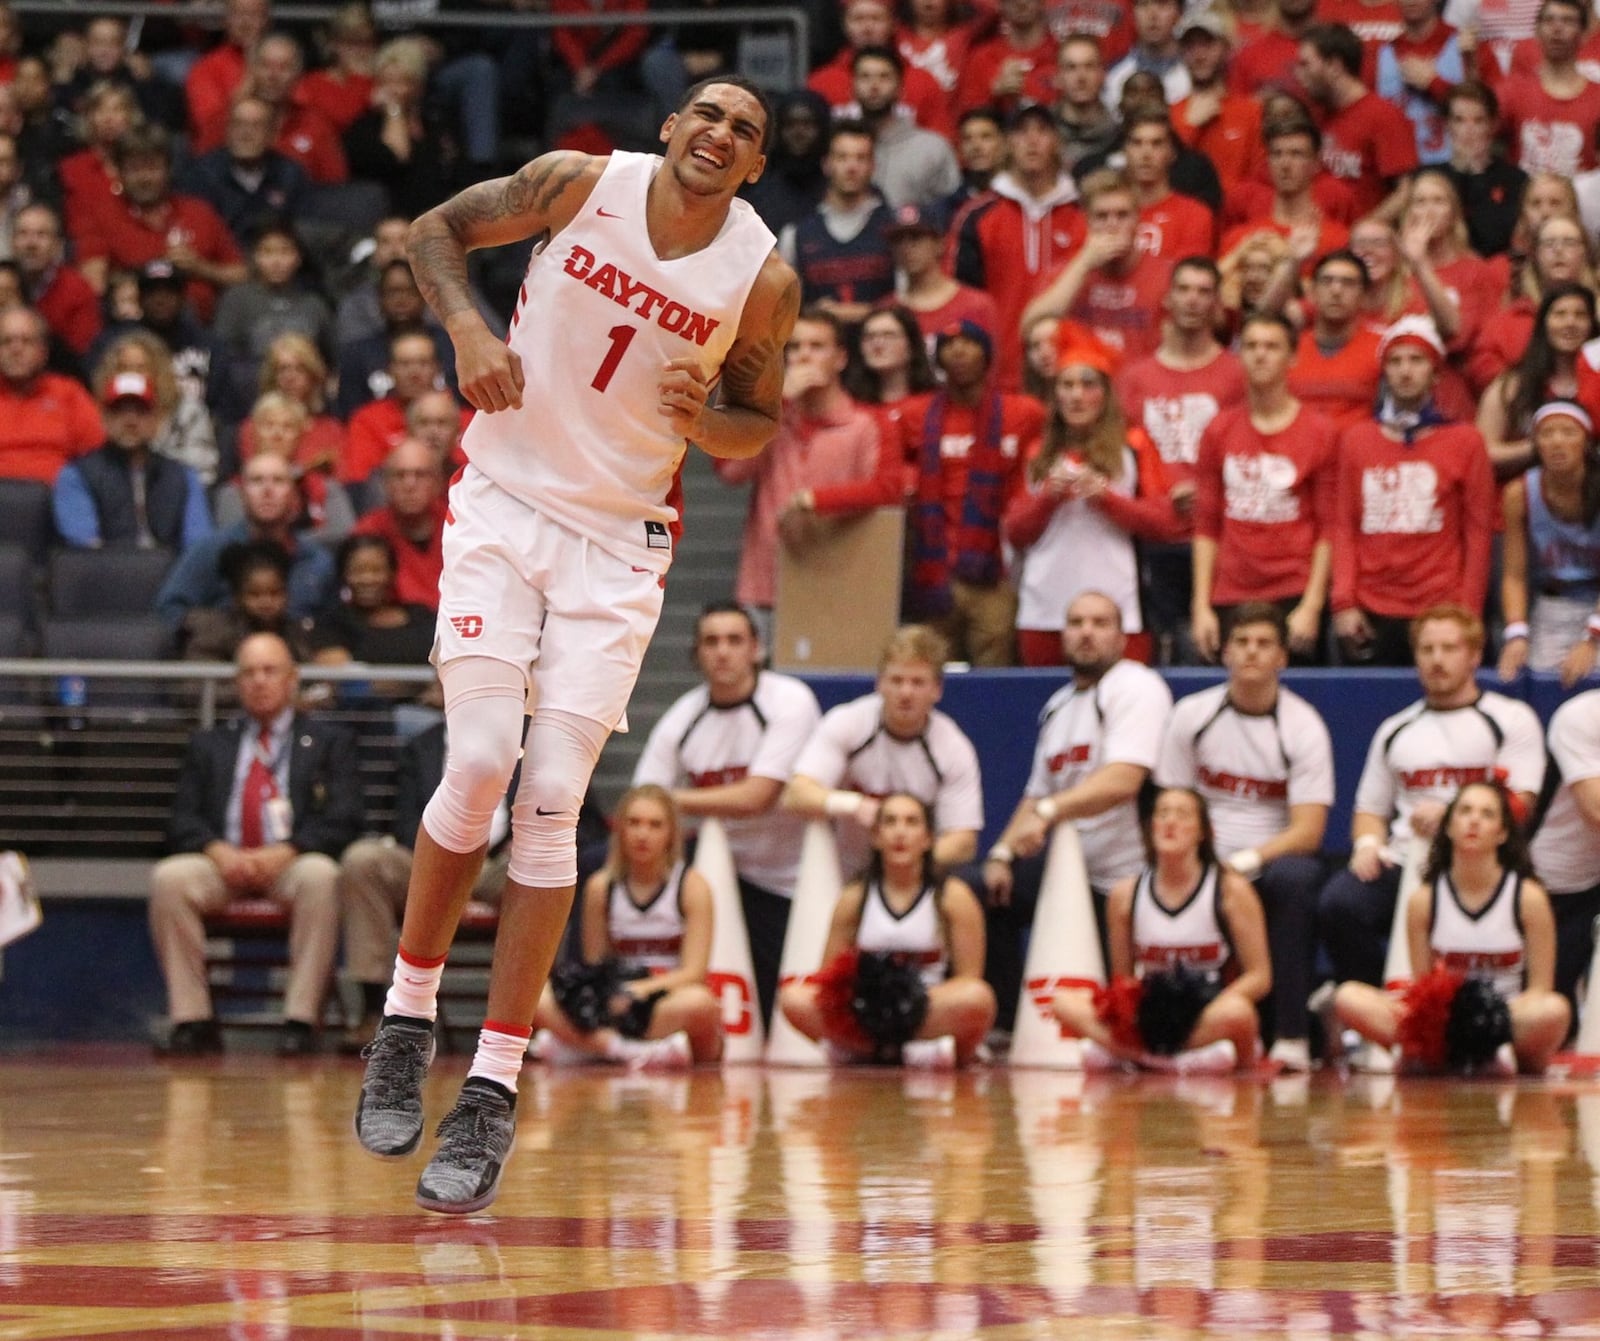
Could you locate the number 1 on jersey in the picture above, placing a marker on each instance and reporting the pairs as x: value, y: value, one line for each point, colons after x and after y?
x: 621, y: 337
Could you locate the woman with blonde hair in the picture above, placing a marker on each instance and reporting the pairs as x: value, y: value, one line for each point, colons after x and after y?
x: 279, y: 424
x: 1247, y: 273
x: 294, y: 366
x: 88, y: 178
x: 186, y: 433
x: 398, y: 142
x: 342, y: 89
x: 639, y: 997
x: 1095, y: 486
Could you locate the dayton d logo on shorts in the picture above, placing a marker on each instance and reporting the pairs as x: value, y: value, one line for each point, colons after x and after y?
x: 468, y: 626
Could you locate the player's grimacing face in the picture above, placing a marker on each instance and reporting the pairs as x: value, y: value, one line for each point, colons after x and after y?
x: 714, y: 144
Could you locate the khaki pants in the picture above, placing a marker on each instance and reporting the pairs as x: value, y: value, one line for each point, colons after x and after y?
x: 185, y: 888
x: 982, y: 624
x: 373, y: 876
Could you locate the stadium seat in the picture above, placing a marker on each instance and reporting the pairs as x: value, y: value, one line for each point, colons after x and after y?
x: 120, y: 582
x: 26, y: 517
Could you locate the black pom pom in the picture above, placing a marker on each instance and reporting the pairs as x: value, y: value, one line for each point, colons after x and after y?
x: 587, y: 993
x: 890, y: 1002
x: 1171, y: 1003
x: 1480, y: 1021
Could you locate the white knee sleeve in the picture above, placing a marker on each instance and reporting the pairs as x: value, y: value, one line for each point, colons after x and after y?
x: 563, y: 749
x: 484, y: 702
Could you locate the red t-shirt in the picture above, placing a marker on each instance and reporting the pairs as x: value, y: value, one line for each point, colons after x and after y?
x: 919, y: 94
x: 87, y: 187
x: 968, y: 304
x: 1370, y: 20
x: 1021, y: 420
x: 983, y: 67
x: 211, y: 82
x: 342, y: 99
x: 1231, y: 139
x: 45, y: 427
x: 1251, y: 202
x: 940, y: 57
x: 1267, y: 63
x: 1174, y: 227
x: 1174, y: 405
x: 1109, y: 20
x: 417, y: 567
x: 1367, y: 145
x: 1501, y: 340
x: 1339, y: 386
x: 129, y: 239
x: 1548, y: 134
x: 606, y: 48
x: 71, y: 309
x: 1414, y: 524
x: 1125, y: 310
x: 1266, y: 500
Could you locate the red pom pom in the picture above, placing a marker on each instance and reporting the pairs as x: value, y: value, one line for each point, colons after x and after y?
x: 1117, y: 1005
x: 1426, y: 1017
x: 836, y: 989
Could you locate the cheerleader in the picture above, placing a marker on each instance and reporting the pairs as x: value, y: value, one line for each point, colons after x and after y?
x: 639, y: 997
x: 1478, y: 918
x: 1189, y: 958
x: 904, y: 958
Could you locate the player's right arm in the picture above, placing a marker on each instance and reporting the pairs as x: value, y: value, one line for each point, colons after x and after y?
x: 537, y: 200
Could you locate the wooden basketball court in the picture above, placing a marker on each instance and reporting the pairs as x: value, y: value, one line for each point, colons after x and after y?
x: 228, y: 1200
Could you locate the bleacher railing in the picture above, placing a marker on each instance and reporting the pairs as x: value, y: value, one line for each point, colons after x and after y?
x: 783, y: 17
x: 90, y: 751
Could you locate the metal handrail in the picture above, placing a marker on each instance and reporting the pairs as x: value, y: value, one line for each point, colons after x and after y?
x: 210, y: 15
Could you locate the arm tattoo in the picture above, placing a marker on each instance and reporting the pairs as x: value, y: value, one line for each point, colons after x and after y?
x: 753, y: 375
x: 439, y: 240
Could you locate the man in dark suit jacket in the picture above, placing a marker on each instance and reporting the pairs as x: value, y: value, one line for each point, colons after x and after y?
x: 264, y: 807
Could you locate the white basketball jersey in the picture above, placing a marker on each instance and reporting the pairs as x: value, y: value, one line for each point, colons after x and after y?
x: 1191, y: 933
x: 916, y: 934
x: 1487, y: 944
x: 649, y: 935
x: 598, y: 318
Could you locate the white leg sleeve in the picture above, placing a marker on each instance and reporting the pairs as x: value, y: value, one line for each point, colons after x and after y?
x: 483, y: 707
x: 563, y: 749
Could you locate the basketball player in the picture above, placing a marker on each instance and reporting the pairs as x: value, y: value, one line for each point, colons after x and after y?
x: 1260, y: 756
x: 648, y: 283
x: 1455, y: 734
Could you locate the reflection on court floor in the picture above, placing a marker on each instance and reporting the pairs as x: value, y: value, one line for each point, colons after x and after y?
x: 228, y: 1200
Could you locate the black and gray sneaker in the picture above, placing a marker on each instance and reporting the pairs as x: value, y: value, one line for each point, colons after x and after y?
x: 389, y: 1112
x: 474, y: 1141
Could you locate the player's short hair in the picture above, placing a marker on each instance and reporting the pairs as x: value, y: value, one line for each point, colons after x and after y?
x: 1204, y: 264
x: 1336, y: 42
x: 1258, y: 612
x: 1344, y: 256
x: 711, y: 608
x: 916, y: 642
x: 1454, y: 612
x: 739, y: 82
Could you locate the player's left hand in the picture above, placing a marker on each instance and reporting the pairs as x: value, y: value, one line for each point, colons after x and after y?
x: 684, y: 390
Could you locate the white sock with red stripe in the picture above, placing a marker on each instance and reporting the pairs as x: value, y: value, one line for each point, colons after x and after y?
x: 502, y: 1048
x: 415, y: 989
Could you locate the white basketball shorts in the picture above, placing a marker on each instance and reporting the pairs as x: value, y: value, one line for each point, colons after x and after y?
x: 521, y: 588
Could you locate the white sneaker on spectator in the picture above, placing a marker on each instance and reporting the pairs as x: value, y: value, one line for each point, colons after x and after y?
x: 1214, y: 1059
x: 553, y: 1051
x: 929, y: 1054
x: 1375, y: 1059
x: 1100, y: 1059
x: 1291, y: 1054
x: 672, y: 1053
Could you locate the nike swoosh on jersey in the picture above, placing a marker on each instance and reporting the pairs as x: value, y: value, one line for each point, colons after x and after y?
x: 604, y: 213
